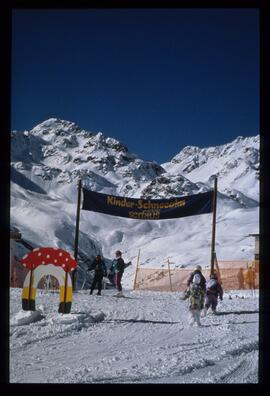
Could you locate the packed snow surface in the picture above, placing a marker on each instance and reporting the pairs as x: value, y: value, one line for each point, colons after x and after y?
x: 143, y: 338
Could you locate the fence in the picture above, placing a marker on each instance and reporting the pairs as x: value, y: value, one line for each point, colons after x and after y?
x: 234, y: 275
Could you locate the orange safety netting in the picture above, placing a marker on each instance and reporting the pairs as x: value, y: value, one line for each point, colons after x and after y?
x: 234, y: 275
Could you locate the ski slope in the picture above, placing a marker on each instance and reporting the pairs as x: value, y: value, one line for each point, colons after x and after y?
x: 144, y: 338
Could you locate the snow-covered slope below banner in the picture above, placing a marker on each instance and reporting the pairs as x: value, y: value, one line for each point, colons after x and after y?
x: 47, y: 161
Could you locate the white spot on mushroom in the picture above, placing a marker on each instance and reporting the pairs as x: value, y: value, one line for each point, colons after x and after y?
x: 24, y: 257
x: 48, y: 256
x: 55, y: 261
x: 66, y: 259
x: 24, y: 264
x: 72, y: 257
x: 43, y: 262
x: 35, y: 250
x: 63, y: 265
x: 60, y: 254
x: 39, y: 254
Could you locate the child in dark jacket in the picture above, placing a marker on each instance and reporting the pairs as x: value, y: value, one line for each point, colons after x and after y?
x: 100, y: 270
x: 213, y: 291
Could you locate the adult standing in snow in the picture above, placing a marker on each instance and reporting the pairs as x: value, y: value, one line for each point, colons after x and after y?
x: 118, y: 267
x: 213, y: 291
x: 100, y: 269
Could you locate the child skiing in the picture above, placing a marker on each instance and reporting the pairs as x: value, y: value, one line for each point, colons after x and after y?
x: 202, y: 282
x: 213, y: 290
x: 196, y: 297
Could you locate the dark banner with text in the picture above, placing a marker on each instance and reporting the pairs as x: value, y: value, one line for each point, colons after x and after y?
x: 148, y: 209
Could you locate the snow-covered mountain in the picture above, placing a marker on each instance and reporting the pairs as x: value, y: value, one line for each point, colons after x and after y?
x: 47, y: 161
x: 236, y: 164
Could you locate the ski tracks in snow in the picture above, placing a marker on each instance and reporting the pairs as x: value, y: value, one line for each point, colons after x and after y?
x: 145, y: 339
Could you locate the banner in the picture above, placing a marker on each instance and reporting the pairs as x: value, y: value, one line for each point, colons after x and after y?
x: 148, y: 209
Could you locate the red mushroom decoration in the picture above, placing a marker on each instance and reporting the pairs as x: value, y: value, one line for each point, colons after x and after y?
x: 43, y: 261
x: 49, y: 255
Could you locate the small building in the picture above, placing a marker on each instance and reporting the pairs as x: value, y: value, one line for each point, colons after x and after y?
x: 257, y: 246
x: 17, y: 271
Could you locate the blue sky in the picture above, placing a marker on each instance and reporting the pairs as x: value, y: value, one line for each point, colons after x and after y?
x: 156, y: 79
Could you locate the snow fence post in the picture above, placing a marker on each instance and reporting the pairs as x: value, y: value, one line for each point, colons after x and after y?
x: 135, y: 278
x: 170, y: 274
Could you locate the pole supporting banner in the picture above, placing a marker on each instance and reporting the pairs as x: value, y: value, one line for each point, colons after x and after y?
x: 213, y: 249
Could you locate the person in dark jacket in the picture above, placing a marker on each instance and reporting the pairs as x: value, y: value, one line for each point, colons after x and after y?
x: 117, y: 268
x: 100, y: 269
x: 198, y: 270
x: 213, y: 291
x: 200, y: 280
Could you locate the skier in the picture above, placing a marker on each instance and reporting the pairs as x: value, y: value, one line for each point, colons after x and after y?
x: 196, y: 298
x: 198, y: 270
x: 213, y: 290
x: 202, y: 282
x: 117, y: 268
x: 100, y: 269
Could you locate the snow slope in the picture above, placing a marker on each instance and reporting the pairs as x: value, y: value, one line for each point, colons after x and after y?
x: 236, y: 164
x: 143, y: 338
x: 47, y: 162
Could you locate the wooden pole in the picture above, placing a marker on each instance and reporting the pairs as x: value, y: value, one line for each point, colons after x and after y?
x: 218, y: 271
x: 170, y: 274
x: 214, y: 226
x: 74, y: 274
x: 135, y: 278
